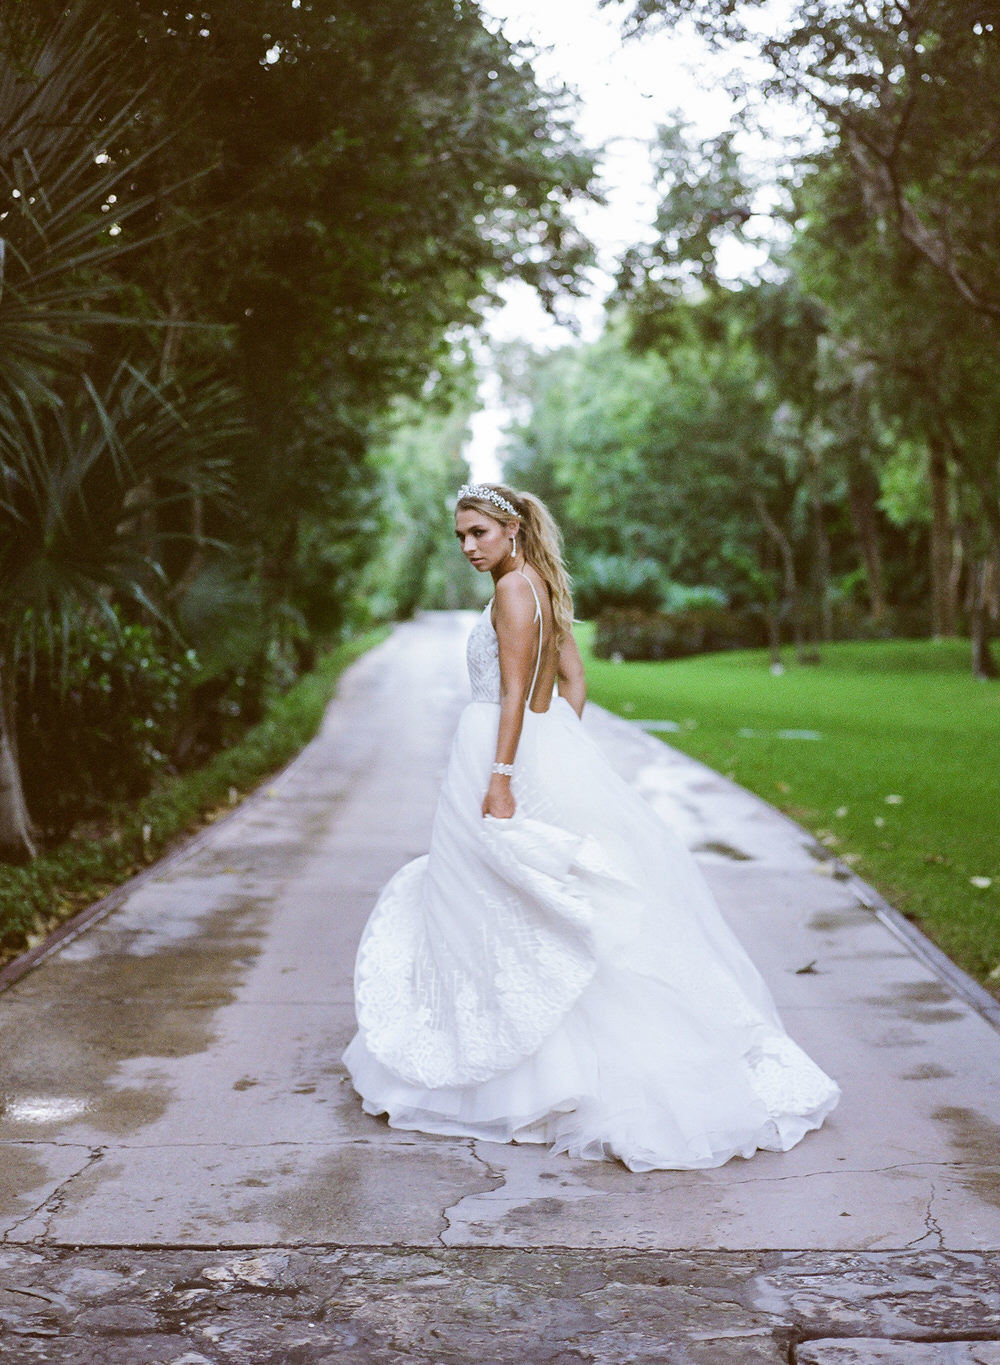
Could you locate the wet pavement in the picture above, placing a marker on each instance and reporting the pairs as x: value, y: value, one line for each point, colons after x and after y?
x: 187, y: 1176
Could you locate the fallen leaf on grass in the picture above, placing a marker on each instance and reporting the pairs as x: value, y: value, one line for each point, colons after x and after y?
x: 827, y: 868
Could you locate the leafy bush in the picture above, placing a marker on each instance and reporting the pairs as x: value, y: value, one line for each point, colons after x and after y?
x: 632, y: 634
x: 95, y: 724
x: 243, y: 653
x: 601, y: 581
x: 682, y: 597
x: 37, y: 896
x: 854, y: 621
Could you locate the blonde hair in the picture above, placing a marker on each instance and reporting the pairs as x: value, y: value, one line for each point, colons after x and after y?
x: 541, y: 541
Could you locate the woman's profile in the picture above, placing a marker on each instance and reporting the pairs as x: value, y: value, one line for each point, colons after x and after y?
x: 555, y: 968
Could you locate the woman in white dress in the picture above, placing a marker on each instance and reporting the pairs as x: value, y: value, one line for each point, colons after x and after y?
x: 555, y: 968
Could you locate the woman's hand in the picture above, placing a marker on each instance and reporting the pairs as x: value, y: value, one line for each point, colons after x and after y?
x: 499, y: 799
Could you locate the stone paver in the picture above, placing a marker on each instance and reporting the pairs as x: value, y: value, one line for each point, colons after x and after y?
x: 430, y: 1305
x: 172, y: 1102
x: 872, y: 1352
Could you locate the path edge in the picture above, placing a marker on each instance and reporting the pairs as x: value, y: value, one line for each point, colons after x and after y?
x: 186, y: 844
x: 958, y: 980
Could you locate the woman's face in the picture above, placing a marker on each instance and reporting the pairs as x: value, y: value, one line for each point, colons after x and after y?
x: 485, y: 543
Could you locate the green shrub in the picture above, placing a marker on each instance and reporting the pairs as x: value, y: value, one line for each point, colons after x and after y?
x: 683, y: 597
x: 37, y: 896
x: 632, y: 634
x: 854, y: 621
x: 221, y: 614
x: 95, y: 725
x: 602, y: 581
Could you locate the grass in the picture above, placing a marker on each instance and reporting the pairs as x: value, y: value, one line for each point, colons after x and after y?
x: 904, y: 783
x: 37, y: 897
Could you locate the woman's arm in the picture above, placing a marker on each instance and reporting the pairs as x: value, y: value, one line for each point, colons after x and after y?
x: 572, y: 679
x: 517, y: 637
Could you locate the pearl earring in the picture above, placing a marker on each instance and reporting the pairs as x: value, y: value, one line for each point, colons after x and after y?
x: 513, y: 547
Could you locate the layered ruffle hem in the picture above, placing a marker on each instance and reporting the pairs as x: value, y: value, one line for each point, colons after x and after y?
x: 566, y: 977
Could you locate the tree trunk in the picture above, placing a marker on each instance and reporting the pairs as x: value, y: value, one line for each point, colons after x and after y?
x: 982, y: 592
x: 943, y: 604
x: 984, y: 484
x: 957, y: 570
x: 790, y: 583
x: 16, y: 843
x: 862, y: 495
x: 822, y: 560
x: 983, y: 664
x: 774, y: 641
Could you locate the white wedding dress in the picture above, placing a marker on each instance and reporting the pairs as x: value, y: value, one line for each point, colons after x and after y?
x: 565, y: 976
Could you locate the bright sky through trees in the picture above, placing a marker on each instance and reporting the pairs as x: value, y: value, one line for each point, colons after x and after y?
x: 626, y: 87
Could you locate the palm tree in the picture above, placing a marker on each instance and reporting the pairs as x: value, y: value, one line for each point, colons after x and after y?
x: 65, y: 202
x: 76, y: 484
x: 81, y: 464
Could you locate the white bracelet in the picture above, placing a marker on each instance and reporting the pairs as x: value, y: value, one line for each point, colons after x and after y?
x: 504, y: 769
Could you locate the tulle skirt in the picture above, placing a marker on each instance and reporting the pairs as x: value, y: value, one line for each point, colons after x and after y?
x: 566, y: 977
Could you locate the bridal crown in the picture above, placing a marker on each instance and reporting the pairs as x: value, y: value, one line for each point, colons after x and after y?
x: 478, y: 490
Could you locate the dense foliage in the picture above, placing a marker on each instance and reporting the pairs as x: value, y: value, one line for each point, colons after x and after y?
x: 96, y: 728
x: 820, y: 438
x: 236, y: 242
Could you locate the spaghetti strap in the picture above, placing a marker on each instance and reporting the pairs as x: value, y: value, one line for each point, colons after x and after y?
x: 537, y: 617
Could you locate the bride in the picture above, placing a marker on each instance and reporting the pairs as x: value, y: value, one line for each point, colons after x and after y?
x: 555, y: 968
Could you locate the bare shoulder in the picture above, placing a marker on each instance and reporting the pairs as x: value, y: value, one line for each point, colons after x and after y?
x: 513, y: 594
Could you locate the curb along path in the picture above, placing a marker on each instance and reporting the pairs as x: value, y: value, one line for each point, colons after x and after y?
x: 186, y: 1175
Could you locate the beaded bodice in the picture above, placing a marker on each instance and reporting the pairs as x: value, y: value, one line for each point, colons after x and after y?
x: 482, y: 653
x: 483, y: 658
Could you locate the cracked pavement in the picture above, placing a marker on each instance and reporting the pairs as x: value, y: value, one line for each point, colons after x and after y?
x: 186, y: 1176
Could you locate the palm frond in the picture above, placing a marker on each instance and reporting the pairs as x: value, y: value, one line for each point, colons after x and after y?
x: 70, y: 148
x: 75, y: 481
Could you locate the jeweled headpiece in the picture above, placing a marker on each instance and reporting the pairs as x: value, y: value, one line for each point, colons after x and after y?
x: 479, y: 490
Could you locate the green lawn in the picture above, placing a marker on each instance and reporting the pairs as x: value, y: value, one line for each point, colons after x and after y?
x: 904, y: 783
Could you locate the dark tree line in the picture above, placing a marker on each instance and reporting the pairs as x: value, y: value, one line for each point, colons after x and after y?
x: 236, y: 239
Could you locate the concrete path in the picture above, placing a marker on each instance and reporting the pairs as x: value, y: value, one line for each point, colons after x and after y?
x: 184, y: 1160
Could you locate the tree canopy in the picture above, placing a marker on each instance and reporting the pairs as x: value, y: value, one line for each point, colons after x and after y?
x: 856, y: 363
x: 273, y: 223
